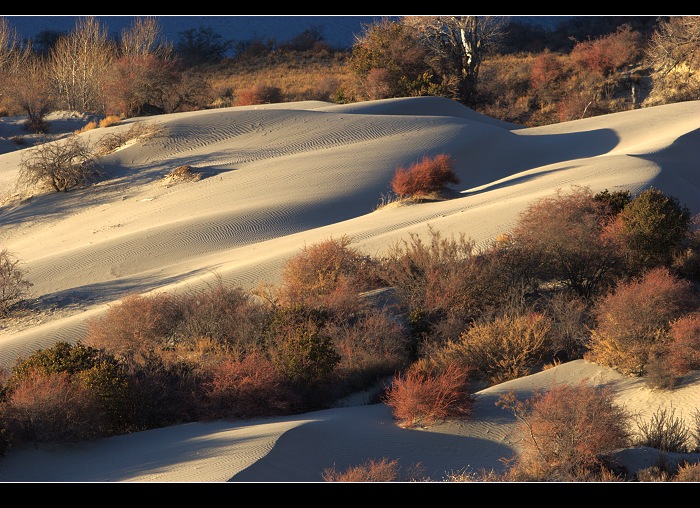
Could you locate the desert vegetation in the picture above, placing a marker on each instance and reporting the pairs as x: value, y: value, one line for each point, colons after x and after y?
x: 462, y: 320
x: 608, y: 277
x: 504, y: 69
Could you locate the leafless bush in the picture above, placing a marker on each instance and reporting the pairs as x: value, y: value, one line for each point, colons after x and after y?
x: 664, y: 431
x: 62, y: 164
x: 14, y: 286
x: 383, y: 470
x: 138, y: 132
x: 568, y: 432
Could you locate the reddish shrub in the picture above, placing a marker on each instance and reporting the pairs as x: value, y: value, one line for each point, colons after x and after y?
x: 567, y: 432
x: 425, y: 395
x: 607, y: 53
x: 684, y: 345
x: 259, y: 94
x: 423, y: 178
x: 51, y: 407
x: 246, y: 388
x: 546, y: 69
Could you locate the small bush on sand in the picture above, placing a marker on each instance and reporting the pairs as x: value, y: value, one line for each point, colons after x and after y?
x: 51, y: 406
x: 664, y: 431
x: 424, y: 178
x: 382, y: 470
x: 687, y: 472
x: 135, y: 325
x: 62, y: 165
x: 568, y: 431
x: 683, y: 353
x: 14, y: 286
x: 425, y: 395
x: 110, y: 120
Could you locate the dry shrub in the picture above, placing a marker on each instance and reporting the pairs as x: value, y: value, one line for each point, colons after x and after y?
x: 568, y: 432
x: 87, y: 127
x: 683, y: 351
x: 443, y: 284
x: 631, y: 321
x: 428, y: 176
x: 664, y: 431
x: 383, y: 470
x: 137, y: 324
x: 372, y: 346
x: 137, y: 132
x: 14, y: 286
x: 569, y: 315
x: 505, y: 348
x: 246, y: 387
x: 259, y: 94
x: 52, y: 406
x: 687, y: 472
x: 328, y: 274
x: 425, y: 395
x: 182, y: 174
x: 607, y: 53
x: 110, y: 120
x: 228, y: 315
x: 563, y: 233
x: 62, y: 165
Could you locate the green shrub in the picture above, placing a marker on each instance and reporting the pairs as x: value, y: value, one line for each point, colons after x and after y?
x: 653, y: 227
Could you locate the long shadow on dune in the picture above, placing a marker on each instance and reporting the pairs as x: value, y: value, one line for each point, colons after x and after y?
x: 680, y: 172
x: 112, y: 290
x: 348, y: 437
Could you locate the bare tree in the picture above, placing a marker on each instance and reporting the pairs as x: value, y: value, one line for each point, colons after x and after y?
x: 142, y: 38
x: 674, y: 53
x: 30, y: 89
x: 457, y: 45
x: 62, y: 164
x: 79, y: 63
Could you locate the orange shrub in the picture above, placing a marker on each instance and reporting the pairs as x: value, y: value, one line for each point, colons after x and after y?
x: 430, y: 175
x: 425, y: 395
x: 631, y: 321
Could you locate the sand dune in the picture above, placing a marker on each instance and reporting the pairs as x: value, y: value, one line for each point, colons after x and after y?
x: 275, y: 178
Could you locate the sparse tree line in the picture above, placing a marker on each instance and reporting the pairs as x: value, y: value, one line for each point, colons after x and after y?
x: 498, y: 67
x: 607, y: 277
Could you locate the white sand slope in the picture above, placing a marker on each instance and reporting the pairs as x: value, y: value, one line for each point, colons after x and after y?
x: 275, y: 178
